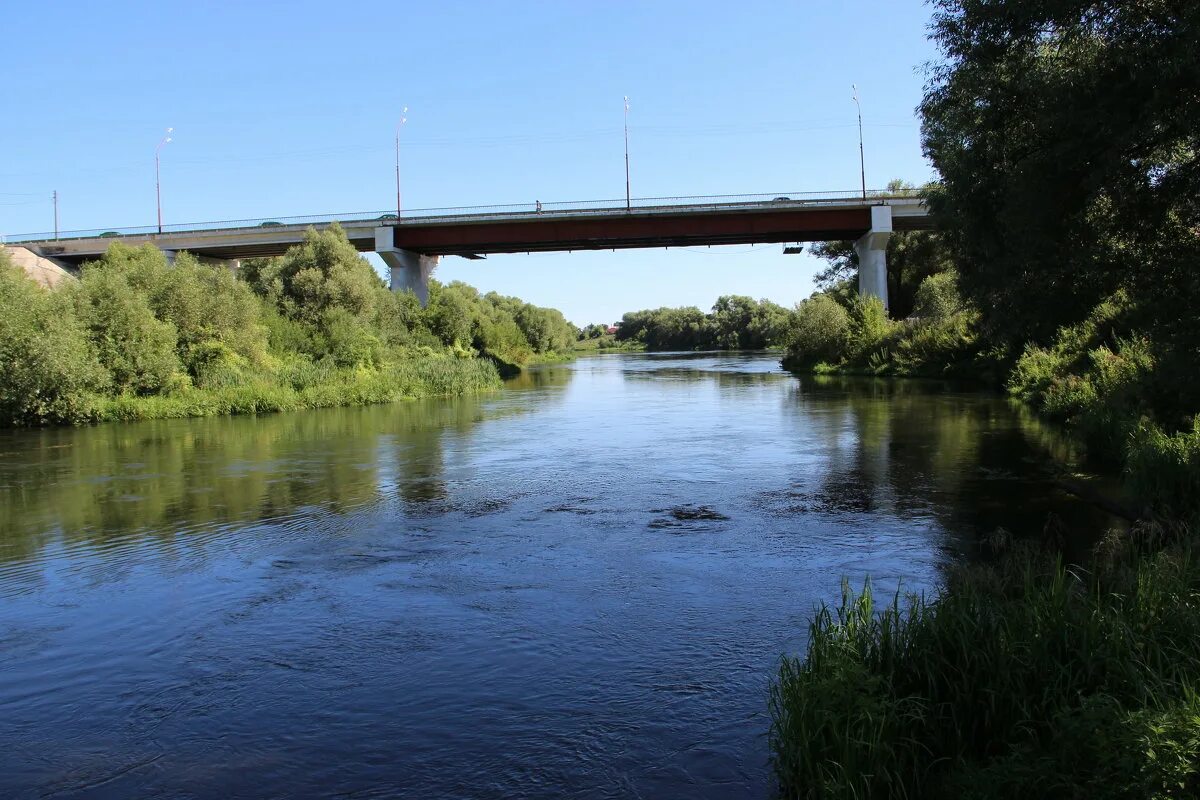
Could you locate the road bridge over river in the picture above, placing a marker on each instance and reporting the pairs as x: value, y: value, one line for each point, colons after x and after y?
x: 411, y: 243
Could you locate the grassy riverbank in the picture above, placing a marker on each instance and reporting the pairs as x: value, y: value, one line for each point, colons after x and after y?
x: 1021, y: 678
x: 137, y: 338
x: 1063, y: 271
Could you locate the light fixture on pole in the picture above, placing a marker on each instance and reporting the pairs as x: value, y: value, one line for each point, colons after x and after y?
x: 862, y: 161
x: 628, y: 203
x: 399, y: 125
x: 157, y: 181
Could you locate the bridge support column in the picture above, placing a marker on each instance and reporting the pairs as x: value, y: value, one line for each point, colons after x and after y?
x: 409, y: 270
x: 872, y: 255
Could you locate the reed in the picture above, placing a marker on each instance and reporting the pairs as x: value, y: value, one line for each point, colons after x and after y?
x: 1005, y: 682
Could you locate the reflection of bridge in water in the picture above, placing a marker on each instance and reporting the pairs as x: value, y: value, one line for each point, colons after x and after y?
x: 411, y: 244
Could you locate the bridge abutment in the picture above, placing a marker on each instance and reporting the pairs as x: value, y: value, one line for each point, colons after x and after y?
x: 409, y: 270
x: 871, y: 248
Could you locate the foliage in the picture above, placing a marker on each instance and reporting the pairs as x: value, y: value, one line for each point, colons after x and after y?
x: 138, y: 337
x: 48, y: 367
x: 322, y: 273
x: 820, y: 332
x: 1022, y: 678
x: 938, y: 297
x: 1068, y: 144
x: 839, y: 331
x: 136, y: 347
x: 735, y: 323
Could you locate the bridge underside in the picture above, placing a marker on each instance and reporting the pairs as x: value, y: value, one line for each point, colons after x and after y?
x: 631, y: 231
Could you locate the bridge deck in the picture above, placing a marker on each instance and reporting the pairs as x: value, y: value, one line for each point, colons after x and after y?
x: 522, y: 228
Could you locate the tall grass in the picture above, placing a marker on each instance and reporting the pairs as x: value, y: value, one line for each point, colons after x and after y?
x: 304, y: 386
x: 1023, y: 677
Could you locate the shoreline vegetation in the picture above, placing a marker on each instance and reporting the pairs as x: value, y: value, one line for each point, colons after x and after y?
x: 1064, y: 271
x: 138, y: 338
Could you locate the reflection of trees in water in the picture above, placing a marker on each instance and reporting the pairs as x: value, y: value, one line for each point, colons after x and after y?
x: 541, y: 377
x: 718, y: 377
x: 971, y: 460
x: 161, y: 477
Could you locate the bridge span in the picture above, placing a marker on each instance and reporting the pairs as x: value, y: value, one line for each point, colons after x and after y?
x: 411, y: 244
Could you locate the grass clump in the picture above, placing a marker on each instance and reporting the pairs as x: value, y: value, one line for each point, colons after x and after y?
x: 1021, y: 677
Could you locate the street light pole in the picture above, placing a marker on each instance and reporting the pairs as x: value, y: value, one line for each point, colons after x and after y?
x: 862, y: 161
x: 399, y: 125
x: 54, y: 197
x: 157, y: 180
x: 628, y: 203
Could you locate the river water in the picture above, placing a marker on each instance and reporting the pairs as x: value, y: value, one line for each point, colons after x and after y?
x: 579, y: 586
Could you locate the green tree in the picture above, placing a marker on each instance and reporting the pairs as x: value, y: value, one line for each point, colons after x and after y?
x: 48, y: 367
x: 138, y: 349
x: 322, y: 273
x: 820, y: 332
x: 1068, y: 142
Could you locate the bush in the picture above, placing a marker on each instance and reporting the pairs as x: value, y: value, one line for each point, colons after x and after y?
x: 869, y: 328
x: 136, y: 348
x: 820, y: 332
x: 48, y: 368
x: 937, y: 297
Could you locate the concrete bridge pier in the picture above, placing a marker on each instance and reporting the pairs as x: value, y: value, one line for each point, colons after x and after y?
x: 409, y: 270
x: 872, y: 255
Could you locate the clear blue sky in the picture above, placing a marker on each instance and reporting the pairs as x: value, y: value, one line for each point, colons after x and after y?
x: 284, y: 109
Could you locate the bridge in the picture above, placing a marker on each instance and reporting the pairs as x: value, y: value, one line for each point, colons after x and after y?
x: 411, y: 243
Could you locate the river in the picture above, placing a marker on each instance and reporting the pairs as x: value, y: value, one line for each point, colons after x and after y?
x: 579, y: 586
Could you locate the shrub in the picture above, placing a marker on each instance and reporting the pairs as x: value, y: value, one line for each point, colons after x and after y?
x: 869, y: 327
x: 137, y: 349
x: 937, y: 297
x: 48, y: 368
x: 820, y: 332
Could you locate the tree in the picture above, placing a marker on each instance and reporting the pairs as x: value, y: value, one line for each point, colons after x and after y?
x: 47, y: 365
x: 1067, y: 135
x: 322, y: 273
x: 138, y: 349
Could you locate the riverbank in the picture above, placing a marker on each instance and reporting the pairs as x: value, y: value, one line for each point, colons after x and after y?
x: 1021, y: 677
x: 1061, y: 269
x: 409, y: 380
x: 137, y: 338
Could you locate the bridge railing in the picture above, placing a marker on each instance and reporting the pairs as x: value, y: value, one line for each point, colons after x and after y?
x: 425, y: 215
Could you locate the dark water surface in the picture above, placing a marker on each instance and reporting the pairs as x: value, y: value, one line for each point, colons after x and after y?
x: 577, y: 587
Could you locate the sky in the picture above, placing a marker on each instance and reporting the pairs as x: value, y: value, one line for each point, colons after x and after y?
x: 287, y: 109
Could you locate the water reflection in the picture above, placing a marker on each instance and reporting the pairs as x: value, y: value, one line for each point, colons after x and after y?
x: 75, y: 487
x: 972, y: 461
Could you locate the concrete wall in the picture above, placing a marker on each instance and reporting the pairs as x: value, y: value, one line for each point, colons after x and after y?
x: 45, y: 271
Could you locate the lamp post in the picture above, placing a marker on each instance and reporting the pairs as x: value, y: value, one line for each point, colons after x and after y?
x: 628, y: 204
x: 54, y: 199
x: 862, y: 162
x: 157, y: 180
x: 399, y: 125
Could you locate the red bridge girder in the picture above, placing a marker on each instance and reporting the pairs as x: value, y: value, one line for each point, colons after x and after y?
x: 618, y: 231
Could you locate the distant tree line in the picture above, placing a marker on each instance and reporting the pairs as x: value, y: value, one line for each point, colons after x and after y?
x: 735, y: 323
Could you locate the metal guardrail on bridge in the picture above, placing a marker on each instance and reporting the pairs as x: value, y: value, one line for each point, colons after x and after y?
x: 426, y: 215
